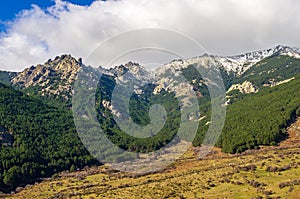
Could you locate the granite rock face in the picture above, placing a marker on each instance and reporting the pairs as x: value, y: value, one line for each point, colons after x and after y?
x: 245, y: 87
x: 55, y: 77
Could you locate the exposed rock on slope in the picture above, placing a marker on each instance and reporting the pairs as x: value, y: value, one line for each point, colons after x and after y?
x: 245, y: 87
x: 237, y: 64
x: 55, y: 77
x: 131, y: 72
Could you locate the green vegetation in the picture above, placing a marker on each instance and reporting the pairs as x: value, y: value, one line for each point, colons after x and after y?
x: 139, y: 109
x: 5, y: 77
x: 271, y: 69
x: 45, y: 140
x: 257, y: 119
x: 251, y: 120
x: 261, y: 119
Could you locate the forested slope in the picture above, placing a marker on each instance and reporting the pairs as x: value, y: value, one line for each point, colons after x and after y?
x: 261, y: 118
x: 45, y: 140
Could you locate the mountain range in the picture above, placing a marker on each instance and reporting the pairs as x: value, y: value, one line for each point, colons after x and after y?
x: 55, y: 77
x: 262, y: 100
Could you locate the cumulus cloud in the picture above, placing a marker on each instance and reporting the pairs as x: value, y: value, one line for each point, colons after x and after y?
x: 223, y: 27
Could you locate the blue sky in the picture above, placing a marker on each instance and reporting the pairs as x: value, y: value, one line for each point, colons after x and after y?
x: 10, y: 8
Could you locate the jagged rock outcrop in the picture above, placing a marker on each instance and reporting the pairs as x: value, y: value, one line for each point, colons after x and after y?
x: 131, y: 72
x: 272, y: 82
x: 245, y: 87
x: 237, y: 64
x: 55, y: 77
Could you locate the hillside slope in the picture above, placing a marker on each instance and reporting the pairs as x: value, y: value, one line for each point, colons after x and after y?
x: 268, y: 173
x: 44, y: 140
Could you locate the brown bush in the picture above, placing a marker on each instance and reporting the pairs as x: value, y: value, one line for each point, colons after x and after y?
x: 275, y: 168
x: 289, y: 183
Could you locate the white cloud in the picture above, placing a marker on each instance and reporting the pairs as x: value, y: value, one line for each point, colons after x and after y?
x: 221, y: 26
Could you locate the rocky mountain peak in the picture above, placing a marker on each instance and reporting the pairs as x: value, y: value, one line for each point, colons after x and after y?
x: 131, y: 71
x: 53, y: 77
x: 289, y: 51
x: 131, y: 67
x: 259, y: 55
x: 64, y: 63
x: 57, y: 76
x: 282, y: 48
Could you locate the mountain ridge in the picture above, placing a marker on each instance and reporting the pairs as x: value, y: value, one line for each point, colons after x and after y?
x: 55, y: 77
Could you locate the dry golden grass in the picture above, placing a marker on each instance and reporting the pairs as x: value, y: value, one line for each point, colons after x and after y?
x: 223, y: 177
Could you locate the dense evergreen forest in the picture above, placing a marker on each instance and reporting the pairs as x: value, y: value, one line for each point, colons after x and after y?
x: 271, y: 69
x: 45, y: 140
x: 261, y: 118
